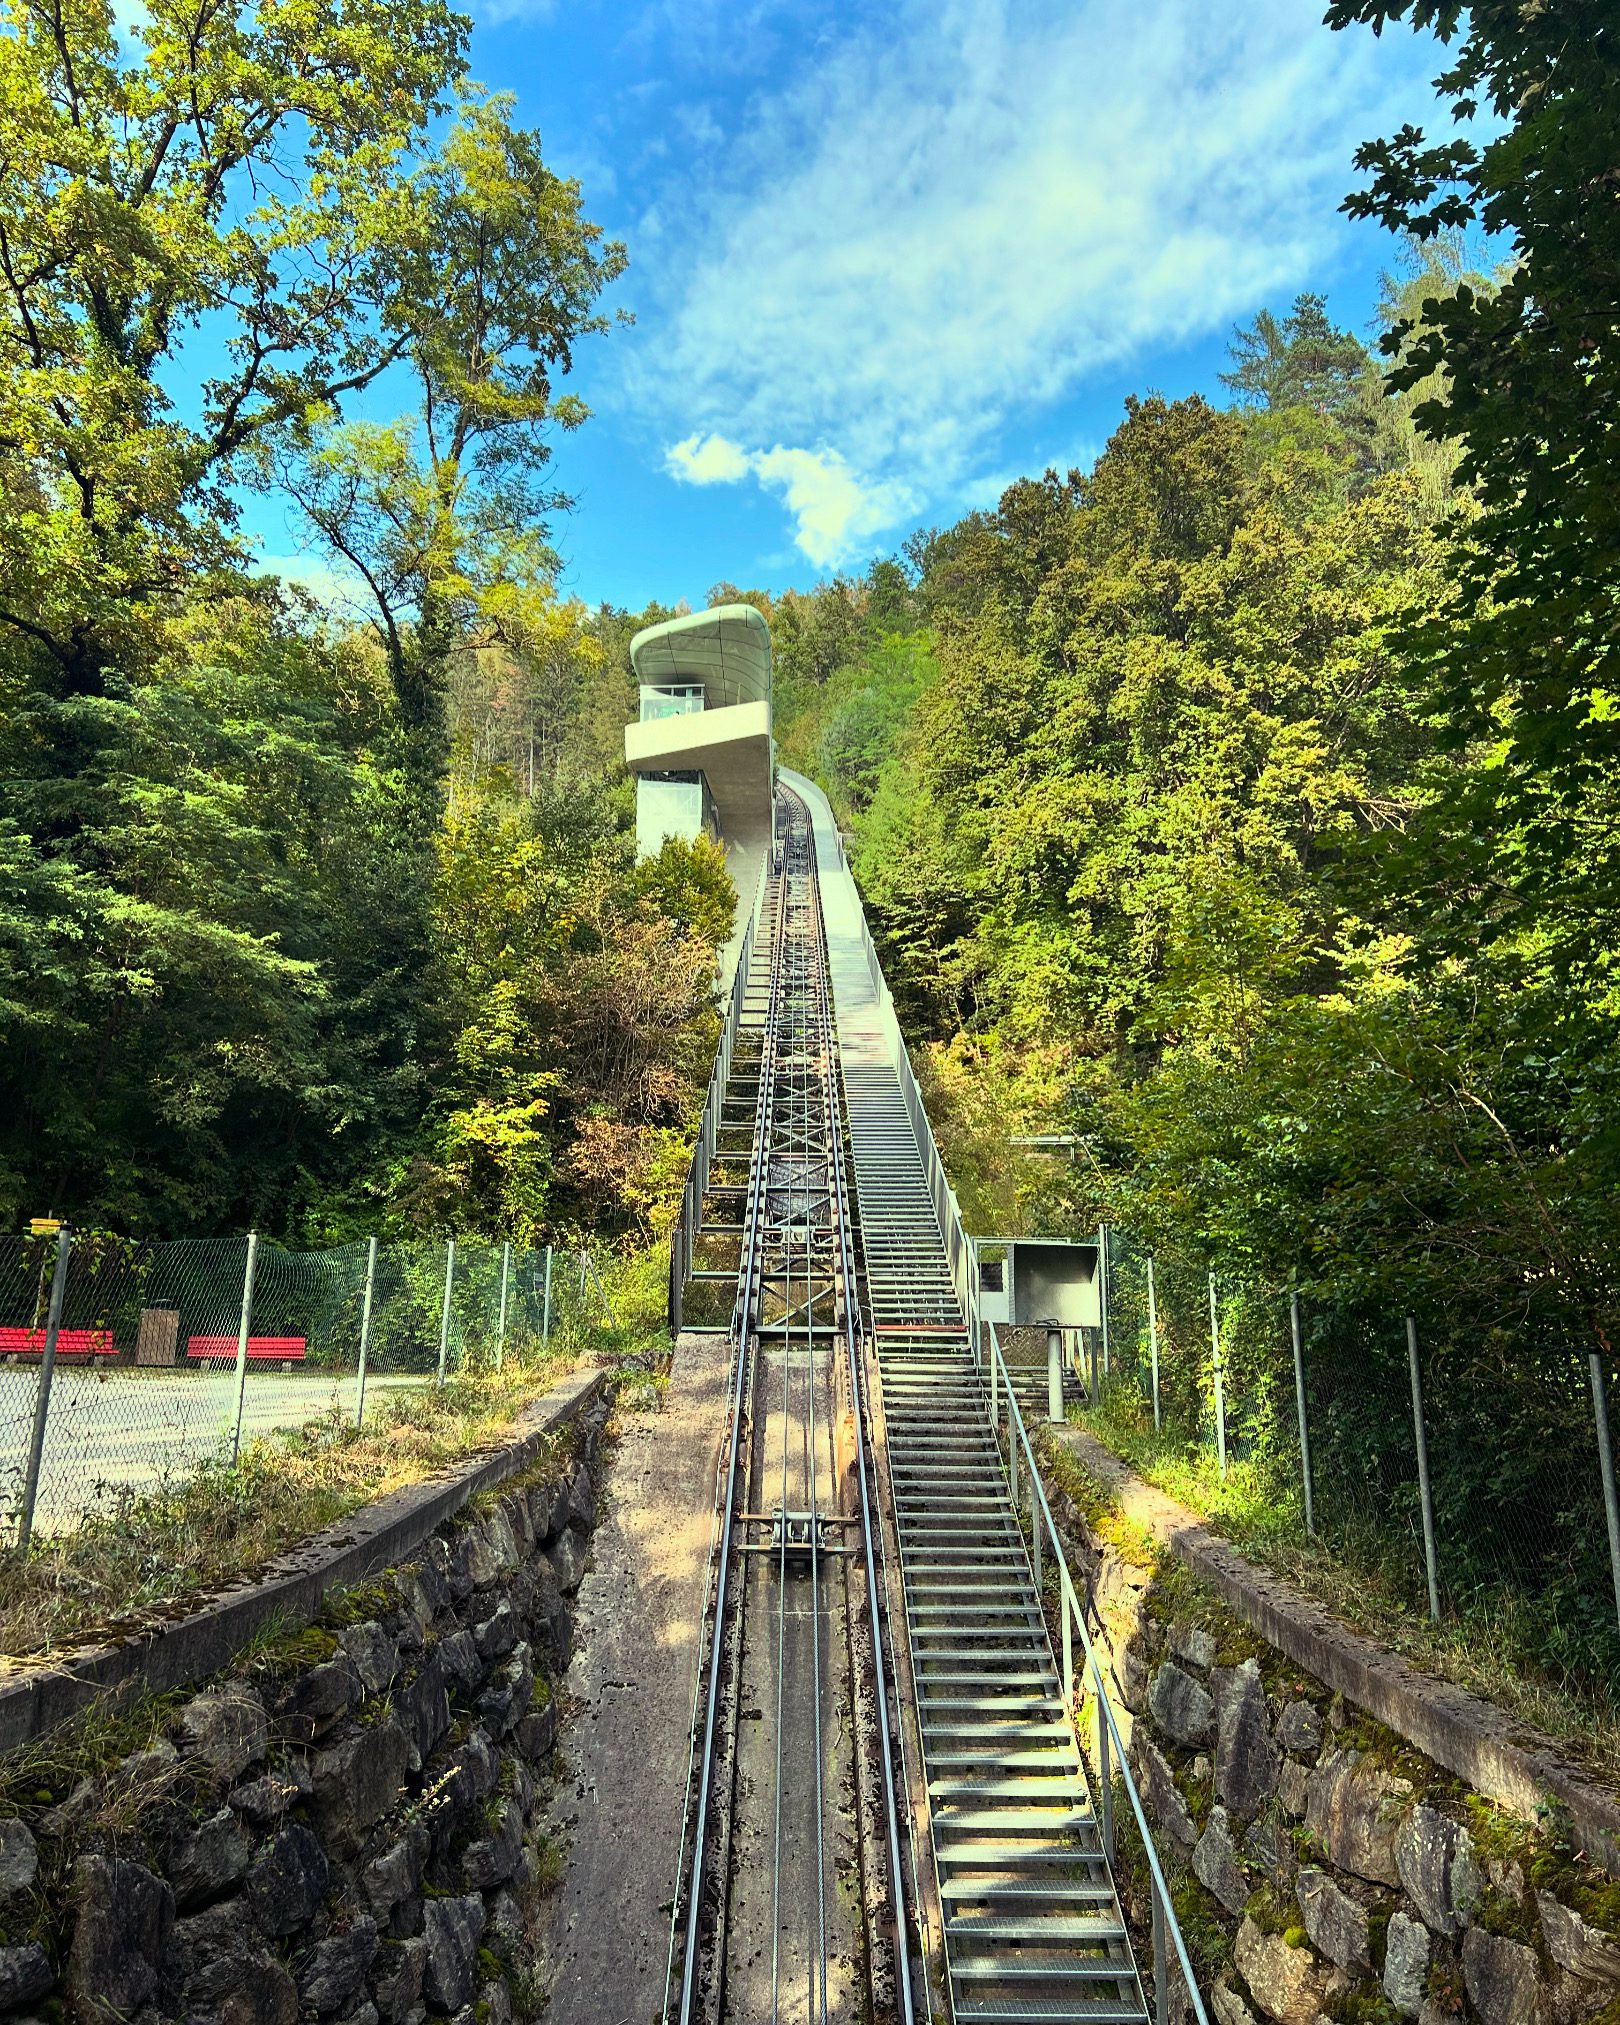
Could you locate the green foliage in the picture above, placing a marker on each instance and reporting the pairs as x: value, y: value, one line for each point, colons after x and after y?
x: 316, y: 930
x: 1300, y: 361
x: 1257, y: 828
x: 494, y: 273
x: 122, y: 183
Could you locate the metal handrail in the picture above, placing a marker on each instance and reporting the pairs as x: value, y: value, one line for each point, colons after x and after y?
x: 874, y: 1595
x: 964, y: 1273
x: 958, y: 1252
x: 1074, y: 1617
x: 683, y: 1237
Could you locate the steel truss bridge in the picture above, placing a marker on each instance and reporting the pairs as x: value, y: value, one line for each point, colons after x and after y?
x: 888, y: 1814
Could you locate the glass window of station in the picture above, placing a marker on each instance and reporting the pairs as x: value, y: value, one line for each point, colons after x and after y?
x: 673, y: 805
x: 670, y: 699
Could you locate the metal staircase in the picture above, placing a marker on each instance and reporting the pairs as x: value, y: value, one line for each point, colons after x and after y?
x: 1032, y: 1923
x: 1028, y: 1924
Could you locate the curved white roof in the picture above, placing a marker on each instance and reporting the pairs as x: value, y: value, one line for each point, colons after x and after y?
x: 727, y: 649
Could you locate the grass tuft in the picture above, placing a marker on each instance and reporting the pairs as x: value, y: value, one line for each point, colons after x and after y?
x: 160, y: 1551
x: 1494, y: 1644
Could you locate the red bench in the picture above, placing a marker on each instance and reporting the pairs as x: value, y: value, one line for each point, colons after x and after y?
x: 260, y: 1349
x: 69, y: 1343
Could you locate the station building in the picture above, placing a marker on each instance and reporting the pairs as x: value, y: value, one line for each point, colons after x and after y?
x: 701, y: 749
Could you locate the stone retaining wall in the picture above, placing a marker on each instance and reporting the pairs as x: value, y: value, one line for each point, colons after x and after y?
x: 344, y: 1823
x: 1325, y: 1868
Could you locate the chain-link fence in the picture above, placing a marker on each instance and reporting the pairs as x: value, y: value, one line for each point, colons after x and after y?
x: 164, y: 1356
x: 1468, y: 1466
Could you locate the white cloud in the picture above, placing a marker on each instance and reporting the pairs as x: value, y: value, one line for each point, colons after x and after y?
x: 342, y: 591
x: 707, y: 460
x: 952, y: 218
x: 499, y: 13
x: 833, y: 508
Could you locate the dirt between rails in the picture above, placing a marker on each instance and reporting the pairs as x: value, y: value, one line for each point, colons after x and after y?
x: 628, y: 1693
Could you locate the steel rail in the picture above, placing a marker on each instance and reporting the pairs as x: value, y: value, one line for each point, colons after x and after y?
x: 799, y: 1100
x: 817, y: 977
x: 778, y: 982
x: 742, y: 1314
x: 833, y: 1080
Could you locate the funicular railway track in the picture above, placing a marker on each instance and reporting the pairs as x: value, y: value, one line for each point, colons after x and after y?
x: 790, y: 1859
x: 844, y: 1857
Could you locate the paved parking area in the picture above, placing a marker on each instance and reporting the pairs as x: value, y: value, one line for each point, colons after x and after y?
x: 113, y: 1429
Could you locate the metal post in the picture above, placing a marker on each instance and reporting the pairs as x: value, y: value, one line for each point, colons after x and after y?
x: 500, y: 1332
x: 1068, y: 1649
x: 1153, y: 1341
x: 248, y: 1275
x: 42, y: 1394
x: 1161, y: 1994
x: 1105, y: 1775
x: 545, y: 1309
x: 1102, y: 1291
x: 1611, y: 1503
x: 444, y: 1312
x: 365, y: 1331
x: 1054, y: 1374
x: 1220, y: 1383
x: 1424, y: 1493
x: 1035, y: 1538
x: 1094, y: 1378
x: 1299, y: 1401
x: 601, y: 1291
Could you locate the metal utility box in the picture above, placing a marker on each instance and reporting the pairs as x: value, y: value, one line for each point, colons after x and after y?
x: 1039, y: 1283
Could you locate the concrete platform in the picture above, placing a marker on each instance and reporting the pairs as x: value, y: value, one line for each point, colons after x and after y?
x: 628, y: 1702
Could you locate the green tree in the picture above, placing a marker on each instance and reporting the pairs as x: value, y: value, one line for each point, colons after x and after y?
x: 496, y: 272
x: 209, y: 1013
x: 1530, y: 368
x: 226, y: 165
x: 1300, y: 362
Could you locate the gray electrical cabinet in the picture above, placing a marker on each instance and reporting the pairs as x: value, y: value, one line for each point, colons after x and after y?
x: 1039, y: 1283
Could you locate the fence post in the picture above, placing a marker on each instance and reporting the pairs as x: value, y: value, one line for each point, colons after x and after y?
x: 1153, y: 1343
x: 365, y: 1331
x: 1220, y: 1382
x: 1105, y: 1772
x: 1068, y: 1643
x: 1299, y: 1401
x: 1611, y: 1502
x: 242, y: 1329
x: 1102, y: 1291
x: 1054, y: 1374
x: 42, y: 1396
x: 1424, y: 1494
x: 545, y: 1309
x: 1161, y: 1993
x: 444, y: 1312
x: 500, y: 1332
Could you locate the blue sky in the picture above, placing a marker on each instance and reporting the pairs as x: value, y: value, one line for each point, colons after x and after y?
x: 884, y: 258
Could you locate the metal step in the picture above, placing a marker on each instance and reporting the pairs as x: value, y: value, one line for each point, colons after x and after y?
x: 1032, y: 1928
